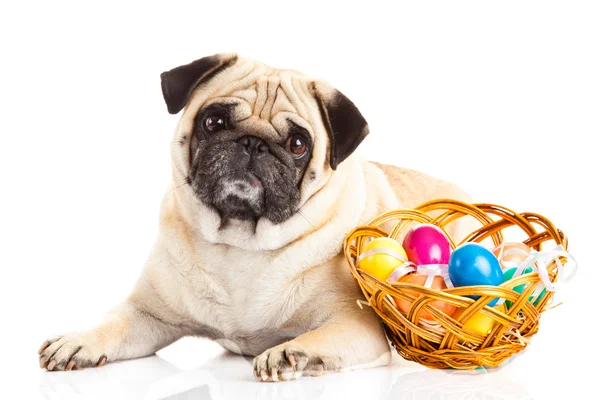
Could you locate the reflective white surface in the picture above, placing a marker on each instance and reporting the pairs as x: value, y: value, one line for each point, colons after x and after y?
x: 229, y: 377
x: 199, y: 369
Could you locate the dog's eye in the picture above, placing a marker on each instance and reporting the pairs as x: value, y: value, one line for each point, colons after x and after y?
x: 297, y: 145
x: 214, y: 123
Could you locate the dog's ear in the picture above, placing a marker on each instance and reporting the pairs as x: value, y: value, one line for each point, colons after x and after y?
x: 345, y: 125
x: 179, y: 83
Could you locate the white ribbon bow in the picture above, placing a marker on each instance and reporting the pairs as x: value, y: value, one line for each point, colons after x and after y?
x: 538, y: 260
x: 433, y: 270
x: 430, y: 270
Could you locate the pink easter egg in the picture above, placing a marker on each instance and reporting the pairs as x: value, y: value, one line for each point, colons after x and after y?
x: 427, y: 244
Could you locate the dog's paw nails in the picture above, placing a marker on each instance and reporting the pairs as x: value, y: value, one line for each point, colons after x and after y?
x: 44, y: 346
x: 70, y: 365
x: 69, y: 352
x: 286, y: 362
x: 102, y: 361
x: 292, y: 360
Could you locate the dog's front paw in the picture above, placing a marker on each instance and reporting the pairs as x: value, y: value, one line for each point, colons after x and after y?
x: 72, y: 351
x: 289, y: 361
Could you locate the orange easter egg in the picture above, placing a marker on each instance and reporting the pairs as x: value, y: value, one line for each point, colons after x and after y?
x: 511, y: 253
x: 437, y: 284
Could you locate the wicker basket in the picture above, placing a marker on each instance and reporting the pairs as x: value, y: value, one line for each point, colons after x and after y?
x: 442, y: 341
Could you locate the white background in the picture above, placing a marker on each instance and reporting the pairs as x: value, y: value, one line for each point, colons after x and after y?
x: 502, y: 98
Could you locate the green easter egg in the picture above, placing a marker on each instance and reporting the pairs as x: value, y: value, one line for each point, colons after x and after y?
x: 508, y: 274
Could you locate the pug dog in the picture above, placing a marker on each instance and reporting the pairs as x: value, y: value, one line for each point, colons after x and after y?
x: 266, y: 184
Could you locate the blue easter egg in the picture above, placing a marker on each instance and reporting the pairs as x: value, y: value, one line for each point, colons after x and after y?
x: 472, y: 264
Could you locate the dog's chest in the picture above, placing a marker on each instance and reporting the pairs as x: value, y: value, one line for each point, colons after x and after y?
x: 244, y: 293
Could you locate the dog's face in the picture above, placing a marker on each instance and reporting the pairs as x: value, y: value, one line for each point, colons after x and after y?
x: 246, y: 169
x: 256, y: 142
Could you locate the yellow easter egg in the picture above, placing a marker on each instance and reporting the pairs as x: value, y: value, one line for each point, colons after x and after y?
x: 382, y: 264
x: 479, y: 323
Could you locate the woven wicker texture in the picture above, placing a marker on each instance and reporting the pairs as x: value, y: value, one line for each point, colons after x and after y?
x: 443, y: 341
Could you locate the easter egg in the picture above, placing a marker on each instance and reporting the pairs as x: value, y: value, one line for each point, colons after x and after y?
x: 382, y: 264
x: 511, y: 254
x: 479, y: 323
x: 437, y: 284
x: 471, y: 264
x: 427, y: 244
x: 509, y: 274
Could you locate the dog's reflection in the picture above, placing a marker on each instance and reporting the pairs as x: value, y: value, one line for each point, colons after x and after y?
x: 145, y: 378
x: 456, y: 384
x: 228, y: 376
x: 128, y: 379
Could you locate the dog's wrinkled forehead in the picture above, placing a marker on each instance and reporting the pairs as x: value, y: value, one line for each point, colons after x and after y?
x: 268, y: 98
x: 263, y: 99
x: 268, y: 104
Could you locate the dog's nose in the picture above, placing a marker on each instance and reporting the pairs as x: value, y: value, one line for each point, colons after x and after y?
x: 253, y: 144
